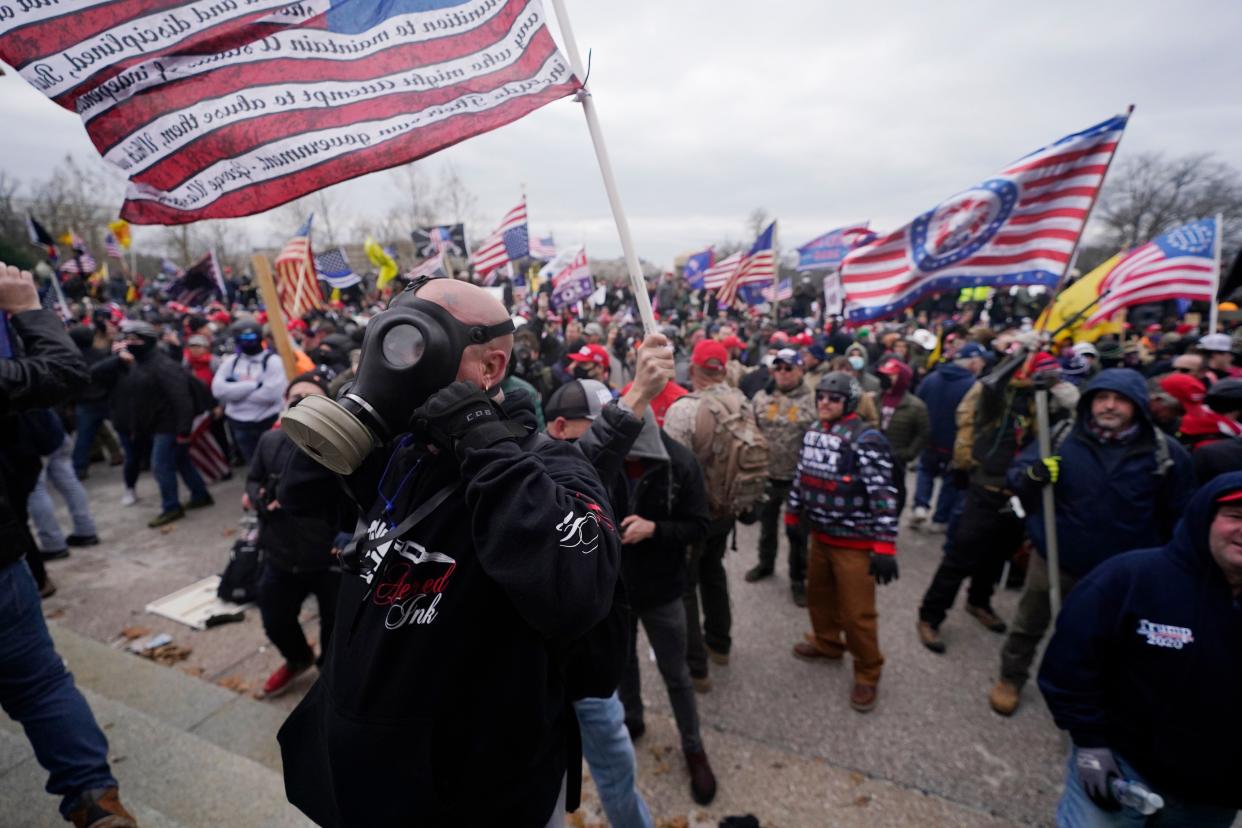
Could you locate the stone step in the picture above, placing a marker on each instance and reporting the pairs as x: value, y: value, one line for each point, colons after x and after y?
x: 186, y: 753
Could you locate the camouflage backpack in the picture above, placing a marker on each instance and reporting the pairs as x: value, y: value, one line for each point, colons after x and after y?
x: 733, y: 453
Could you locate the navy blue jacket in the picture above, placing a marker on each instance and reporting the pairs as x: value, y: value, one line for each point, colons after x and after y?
x: 942, y: 390
x: 1109, y: 498
x: 1145, y: 661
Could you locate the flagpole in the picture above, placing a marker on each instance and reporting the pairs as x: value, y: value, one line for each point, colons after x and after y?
x: 1214, y: 308
x: 1073, y: 258
x: 637, y: 283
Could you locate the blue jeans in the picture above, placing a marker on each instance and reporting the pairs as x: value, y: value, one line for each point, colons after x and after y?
x: 90, y: 417
x: 58, y: 472
x: 933, y: 464
x: 168, y: 459
x: 137, y: 448
x: 609, y: 753
x: 1076, y: 810
x: 246, y: 435
x: 37, y: 692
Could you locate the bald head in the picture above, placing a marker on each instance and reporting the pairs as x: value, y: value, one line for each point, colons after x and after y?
x: 484, y: 364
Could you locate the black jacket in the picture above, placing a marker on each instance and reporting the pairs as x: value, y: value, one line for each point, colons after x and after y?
x: 1216, y: 458
x: 670, y: 493
x: 152, y: 395
x: 1145, y: 661
x: 44, y: 369
x: 297, y: 536
x: 443, y: 700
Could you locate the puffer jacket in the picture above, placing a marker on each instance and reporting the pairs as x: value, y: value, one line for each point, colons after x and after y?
x: 783, y: 417
x: 905, y: 424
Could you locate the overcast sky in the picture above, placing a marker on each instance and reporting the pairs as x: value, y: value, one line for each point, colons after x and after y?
x: 822, y: 113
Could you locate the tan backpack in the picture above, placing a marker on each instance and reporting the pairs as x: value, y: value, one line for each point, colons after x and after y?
x: 733, y: 453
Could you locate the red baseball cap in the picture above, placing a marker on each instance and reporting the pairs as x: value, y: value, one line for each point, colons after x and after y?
x: 597, y: 354
x: 710, y: 354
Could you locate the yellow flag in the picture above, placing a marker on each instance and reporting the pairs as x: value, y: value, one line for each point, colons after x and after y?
x: 533, y: 282
x: 336, y: 295
x: 120, y: 230
x: 131, y: 293
x: 1073, y: 299
x: 380, y: 258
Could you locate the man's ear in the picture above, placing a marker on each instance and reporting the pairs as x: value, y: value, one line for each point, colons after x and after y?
x: 556, y: 428
x: 495, y: 363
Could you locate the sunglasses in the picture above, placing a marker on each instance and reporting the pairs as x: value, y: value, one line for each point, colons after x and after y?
x: 783, y: 366
x: 830, y: 396
x: 1184, y: 370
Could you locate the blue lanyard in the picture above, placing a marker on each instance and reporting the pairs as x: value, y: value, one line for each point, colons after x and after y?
x: 379, y: 488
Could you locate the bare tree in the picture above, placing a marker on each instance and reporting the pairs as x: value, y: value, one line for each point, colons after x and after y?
x: 1150, y: 193
x: 757, y: 221
x: 454, y: 202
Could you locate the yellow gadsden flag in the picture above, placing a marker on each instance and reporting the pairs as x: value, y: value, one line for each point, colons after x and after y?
x: 380, y: 258
x: 1073, y: 299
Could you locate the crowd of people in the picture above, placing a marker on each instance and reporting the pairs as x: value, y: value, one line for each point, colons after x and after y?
x: 559, y: 476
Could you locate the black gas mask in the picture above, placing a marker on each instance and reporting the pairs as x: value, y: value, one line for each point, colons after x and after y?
x: 410, y: 351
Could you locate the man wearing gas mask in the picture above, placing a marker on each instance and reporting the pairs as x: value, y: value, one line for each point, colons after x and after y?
x: 487, y: 550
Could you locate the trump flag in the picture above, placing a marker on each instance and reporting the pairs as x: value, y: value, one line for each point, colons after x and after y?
x: 221, y: 109
x: 1018, y: 227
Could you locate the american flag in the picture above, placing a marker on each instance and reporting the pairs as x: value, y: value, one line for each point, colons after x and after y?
x: 113, y: 247
x: 296, y: 284
x: 222, y: 109
x: 333, y: 268
x: 784, y: 292
x: 721, y: 272
x: 81, y: 264
x: 757, y: 268
x: 1179, y: 264
x: 1017, y: 228
x: 430, y: 267
x: 543, y: 247
x: 507, y: 243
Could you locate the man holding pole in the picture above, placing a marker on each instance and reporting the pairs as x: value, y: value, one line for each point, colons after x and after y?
x: 1118, y: 483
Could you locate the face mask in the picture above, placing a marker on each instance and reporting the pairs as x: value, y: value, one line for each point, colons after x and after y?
x: 856, y: 362
x: 581, y: 371
x: 249, y: 346
x: 140, y: 348
x: 410, y: 351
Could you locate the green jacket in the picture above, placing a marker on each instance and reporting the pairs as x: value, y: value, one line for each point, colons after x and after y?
x: 907, y: 427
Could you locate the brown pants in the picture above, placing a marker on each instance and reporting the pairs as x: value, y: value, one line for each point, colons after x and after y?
x: 840, y: 596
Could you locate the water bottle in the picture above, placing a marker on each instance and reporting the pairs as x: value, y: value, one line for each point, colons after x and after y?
x: 1137, y: 796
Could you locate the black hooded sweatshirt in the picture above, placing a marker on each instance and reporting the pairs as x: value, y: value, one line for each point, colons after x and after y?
x: 443, y: 699
x: 1145, y: 661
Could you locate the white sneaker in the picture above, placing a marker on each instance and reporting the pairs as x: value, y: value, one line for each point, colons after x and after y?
x: 129, y: 498
x: 919, y: 515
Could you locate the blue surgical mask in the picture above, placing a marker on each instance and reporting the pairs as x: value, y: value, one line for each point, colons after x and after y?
x: 856, y: 362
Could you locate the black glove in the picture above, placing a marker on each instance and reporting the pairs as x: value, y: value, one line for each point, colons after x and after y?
x: 1096, y: 769
x: 883, y: 568
x: 460, y: 417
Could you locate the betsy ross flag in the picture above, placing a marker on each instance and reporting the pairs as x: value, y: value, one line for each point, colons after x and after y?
x: 219, y: 109
x: 697, y: 265
x: 828, y: 251
x: 1179, y: 264
x: 716, y: 276
x: 297, y: 287
x: 756, y: 271
x: 333, y: 268
x: 1016, y: 228
x: 507, y: 243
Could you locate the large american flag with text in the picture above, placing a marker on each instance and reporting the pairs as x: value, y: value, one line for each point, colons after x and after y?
x: 220, y: 109
x: 1016, y: 228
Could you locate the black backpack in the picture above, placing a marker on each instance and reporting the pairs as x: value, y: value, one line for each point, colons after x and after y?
x: 239, y: 582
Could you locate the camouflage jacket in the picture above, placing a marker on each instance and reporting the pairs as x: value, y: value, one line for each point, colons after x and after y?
x: 783, y: 417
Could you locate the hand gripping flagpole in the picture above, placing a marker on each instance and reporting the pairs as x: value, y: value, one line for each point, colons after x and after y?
x: 637, y: 283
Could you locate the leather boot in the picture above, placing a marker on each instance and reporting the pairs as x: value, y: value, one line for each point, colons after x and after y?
x: 702, y: 780
x: 101, y: 808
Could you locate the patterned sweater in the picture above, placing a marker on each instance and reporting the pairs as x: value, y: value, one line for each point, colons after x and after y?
x: 843, y: 489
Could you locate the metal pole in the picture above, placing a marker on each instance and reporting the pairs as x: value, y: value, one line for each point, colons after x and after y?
x: 1214, y: 309
x: 1049, y: 504
x: 637, y: 283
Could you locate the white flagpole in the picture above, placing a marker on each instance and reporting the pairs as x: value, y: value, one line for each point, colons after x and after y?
x: 1214, y: 307
x: 637, y: 283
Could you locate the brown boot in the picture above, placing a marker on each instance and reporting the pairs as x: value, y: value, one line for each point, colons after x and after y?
x: 101, y: 808
x: 1005, y: 697
x: 864, y: 696
x: 702, y: 780
x: 986, y: 617
x: 930, y: 636
x: 809, y: 652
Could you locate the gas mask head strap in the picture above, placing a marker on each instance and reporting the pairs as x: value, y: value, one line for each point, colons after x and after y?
x: 478, y: 334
